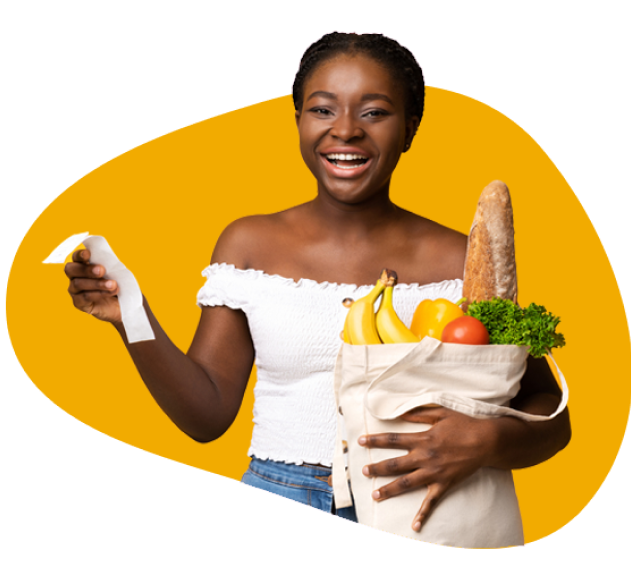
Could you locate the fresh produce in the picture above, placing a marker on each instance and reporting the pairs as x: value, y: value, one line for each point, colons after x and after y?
x: 431, y: 316
x: 496, y: 321
x: 509, y: 324
x: 465, y: 330
x: 360, y: 327
x: 390, y: 328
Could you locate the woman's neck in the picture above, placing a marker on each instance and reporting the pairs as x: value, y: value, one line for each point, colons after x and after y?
x: 354, y: 218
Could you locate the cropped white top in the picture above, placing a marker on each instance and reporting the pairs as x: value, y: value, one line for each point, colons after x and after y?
x: 295, y: 328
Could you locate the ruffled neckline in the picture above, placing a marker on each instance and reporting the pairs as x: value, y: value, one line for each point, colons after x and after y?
x: 252, y: 273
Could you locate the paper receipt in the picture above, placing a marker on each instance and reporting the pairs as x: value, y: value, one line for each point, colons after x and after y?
x: 134, y: 316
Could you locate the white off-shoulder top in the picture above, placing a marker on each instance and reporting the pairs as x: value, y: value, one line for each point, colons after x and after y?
x: 295, y: 328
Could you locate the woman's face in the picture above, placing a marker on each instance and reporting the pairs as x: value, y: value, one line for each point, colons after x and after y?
x: 353, y: 127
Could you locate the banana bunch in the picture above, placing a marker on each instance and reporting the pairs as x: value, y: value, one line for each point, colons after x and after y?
x: 363, y: 327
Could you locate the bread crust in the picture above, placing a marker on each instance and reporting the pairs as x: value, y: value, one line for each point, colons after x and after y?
x: 490, y: 269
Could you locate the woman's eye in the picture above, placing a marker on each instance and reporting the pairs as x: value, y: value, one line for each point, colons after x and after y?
x: 375, y: 113
x: 321, y: 111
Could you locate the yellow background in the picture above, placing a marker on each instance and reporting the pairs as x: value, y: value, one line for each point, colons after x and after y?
x: 162, y: 206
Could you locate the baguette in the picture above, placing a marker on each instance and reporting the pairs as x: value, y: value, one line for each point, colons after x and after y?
x: 490, y: 270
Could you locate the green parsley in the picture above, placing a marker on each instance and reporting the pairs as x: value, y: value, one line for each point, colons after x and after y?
x: 509, y: 324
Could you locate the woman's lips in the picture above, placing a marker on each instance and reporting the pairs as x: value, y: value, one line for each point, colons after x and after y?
x: 345, y: 164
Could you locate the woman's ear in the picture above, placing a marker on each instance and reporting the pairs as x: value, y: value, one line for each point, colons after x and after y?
x: 297, y: 117
x: 410, y: 131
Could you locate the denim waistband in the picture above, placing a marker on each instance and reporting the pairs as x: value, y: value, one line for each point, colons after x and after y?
x: 312, y: 477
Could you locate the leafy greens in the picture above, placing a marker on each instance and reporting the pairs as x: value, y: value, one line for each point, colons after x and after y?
x: 509, y: 324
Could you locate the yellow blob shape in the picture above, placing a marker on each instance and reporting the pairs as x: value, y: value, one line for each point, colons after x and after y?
x: 163, y: 205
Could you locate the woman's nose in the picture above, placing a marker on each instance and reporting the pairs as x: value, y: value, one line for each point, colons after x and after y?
x: 346, y: 127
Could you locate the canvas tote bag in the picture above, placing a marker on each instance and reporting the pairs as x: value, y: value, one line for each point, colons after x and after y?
x: 376, y: 384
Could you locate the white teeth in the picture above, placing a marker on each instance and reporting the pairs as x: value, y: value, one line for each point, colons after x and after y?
x: 346, y: 157
x: 348, y: 166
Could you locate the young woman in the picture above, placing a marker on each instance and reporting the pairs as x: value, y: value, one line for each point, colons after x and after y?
x: 274, y: 296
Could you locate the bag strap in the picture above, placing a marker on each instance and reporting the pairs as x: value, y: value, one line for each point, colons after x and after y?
x: 502, y: 410
x: 468, y: 406
x: 507, y: 411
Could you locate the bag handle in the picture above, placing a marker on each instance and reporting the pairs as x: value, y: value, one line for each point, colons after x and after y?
x: 468, y: 406
x: 502, y: 410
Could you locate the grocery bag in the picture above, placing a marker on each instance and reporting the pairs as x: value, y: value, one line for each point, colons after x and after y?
x: 376, y: 384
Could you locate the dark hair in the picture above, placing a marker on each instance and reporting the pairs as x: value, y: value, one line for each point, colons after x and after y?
x: 393, y: 56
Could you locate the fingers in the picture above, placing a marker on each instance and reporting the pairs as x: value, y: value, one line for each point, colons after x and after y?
x: 416, y: 479
x: 405, y: 483
x: 88, y: 286
x: 82, y: 255
x: 418, y: 468
x: 90, y: 290
x: 412, y: 481
x: 81, y: 285
x: 434, y: 494
x: 426, y: 414
x: 80, y: 266
x: 389, y: 440
x: 413, y: 471
x: 81, y: 270
x: 410, y: 442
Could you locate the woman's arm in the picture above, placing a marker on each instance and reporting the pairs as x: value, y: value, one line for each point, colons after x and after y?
x: 201, y: 391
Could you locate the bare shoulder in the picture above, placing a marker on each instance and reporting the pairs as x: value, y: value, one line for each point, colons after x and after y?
x: 235, y: 242
x: 245, y: 240
x: 439, y: 251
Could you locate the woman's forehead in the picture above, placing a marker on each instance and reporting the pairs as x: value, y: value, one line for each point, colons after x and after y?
x: 351, y: 72
x: 351, y: 63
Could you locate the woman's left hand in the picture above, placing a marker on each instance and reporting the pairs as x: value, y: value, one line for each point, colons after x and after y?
x: 451, y: 450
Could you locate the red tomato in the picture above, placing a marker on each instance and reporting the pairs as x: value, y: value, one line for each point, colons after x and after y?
x: 465, y: 330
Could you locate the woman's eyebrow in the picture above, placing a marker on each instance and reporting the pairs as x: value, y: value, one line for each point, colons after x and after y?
x: 365, y: 98
x: 377, y: 96
x: 323, y: 94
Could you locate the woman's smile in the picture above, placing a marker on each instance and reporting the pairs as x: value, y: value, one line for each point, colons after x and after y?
x: 345, y: 162
x: 353, y: 160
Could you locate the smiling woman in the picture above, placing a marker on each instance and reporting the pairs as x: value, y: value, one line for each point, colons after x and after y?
x: 274, y: 297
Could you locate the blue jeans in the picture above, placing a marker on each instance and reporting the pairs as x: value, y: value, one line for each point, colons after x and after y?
x: 308, y: 484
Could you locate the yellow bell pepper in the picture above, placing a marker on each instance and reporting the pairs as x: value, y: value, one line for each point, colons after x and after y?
x: 431, y: 316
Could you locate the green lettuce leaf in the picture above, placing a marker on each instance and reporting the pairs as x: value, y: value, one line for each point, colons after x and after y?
x: 509, y: 324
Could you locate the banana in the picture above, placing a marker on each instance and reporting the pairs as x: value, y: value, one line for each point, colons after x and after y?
x: 389, y: 327
x: 347, y: 302
x: 360, y: 327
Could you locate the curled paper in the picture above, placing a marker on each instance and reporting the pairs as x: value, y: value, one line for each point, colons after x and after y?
x: 135, y: 320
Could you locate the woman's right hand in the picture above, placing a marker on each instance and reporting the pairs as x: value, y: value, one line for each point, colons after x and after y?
x: 90, y: 291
